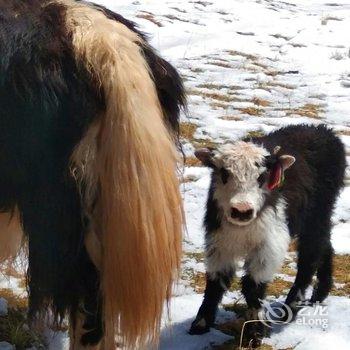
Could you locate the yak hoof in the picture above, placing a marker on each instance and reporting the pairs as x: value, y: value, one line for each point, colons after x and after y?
x: 199, y: 326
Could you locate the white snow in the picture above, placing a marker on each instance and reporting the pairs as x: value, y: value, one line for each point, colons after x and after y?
x: 293, y: 54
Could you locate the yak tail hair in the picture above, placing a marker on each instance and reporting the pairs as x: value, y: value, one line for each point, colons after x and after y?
x: 11, y: 237
x: 129, y: 167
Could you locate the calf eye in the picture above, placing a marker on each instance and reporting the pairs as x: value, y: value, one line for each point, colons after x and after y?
x: 224, y: 175
x: 262, y: 179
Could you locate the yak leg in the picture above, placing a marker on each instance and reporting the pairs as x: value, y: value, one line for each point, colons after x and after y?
x: 86, y: 330
x: 77, y: 332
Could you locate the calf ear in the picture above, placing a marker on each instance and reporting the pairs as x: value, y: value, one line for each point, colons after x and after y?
x: 286, y: 161
x: 205, y: 155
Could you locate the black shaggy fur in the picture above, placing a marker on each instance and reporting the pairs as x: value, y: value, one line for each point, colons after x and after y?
x: 310, y: 189
x: 47, y: 101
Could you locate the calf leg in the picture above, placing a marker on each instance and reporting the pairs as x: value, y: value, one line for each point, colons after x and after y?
x: 214, y: 291
x: 311, y: 246
x: 324, y: 275
x: 261, y: 265
x: 254, y: 293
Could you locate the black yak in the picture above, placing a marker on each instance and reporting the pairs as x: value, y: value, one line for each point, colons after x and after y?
x: 258, y: 198
x: 89, y: 124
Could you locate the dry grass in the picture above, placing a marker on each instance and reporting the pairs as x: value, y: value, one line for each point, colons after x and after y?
x: 309, y: 110
x: 220, y: 64
x: 343, y: 132
x: 278, y: 287
x: 197, y: 282
x: 219, y: 105
x: 279, y: 84
x: 14, y: 330
x: 219, y: 97
x: 298, y: 45
x: 261, y: 102
x: 341, y: 274
x: 280, y: 36
x: 198, y: 256
x: 187, y: 130
x: 149, y: 17
x: 243, y: 54
x: 293, y: 246
x: 188, y: 178
x: 234, y: 345
x: 261, y: 65
x: 287, y: 270
x: 197, y: 70
x: 176, y: 18
x: 342, y: 268
x: 231, y: 117
x: 214, y: 86
x: 215, y: 96
x: 343, y: 291
x: 252, y: 111
x: 14, y: 326
x: 204, y: 143
x: 13, y: 300
x: 254, y: 134
x: 192, y: 161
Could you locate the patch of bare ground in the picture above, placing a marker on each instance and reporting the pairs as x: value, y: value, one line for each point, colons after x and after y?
x: 343, y: 132
x: 204, y: 143
x: 253, y: 111
x: 279, y: 84
x: 261, y: 65
x: 254, y: 134
x: 177, y: 9
x: 192, y: 161
x: 13, y: 300
x: 280, y: 36
x: 231, y: 117
x: 187, y: 179
x: 341, y: 274
x: 298, y: 45
x: 234, y: 345
x: 219, y: 105
x: 293, y: 246
x: 214, y: 86
x: 309, y: 110
x: 278, y: 287
x: 261, y: 102
x: 187, y: 130
x: 235, y: 328
x: 149, y: 17
x: 220, y: 64
x: 14, y: 330
x: 197, y: 282
x: 202, y: 3
x: 326, y: 19
x: 242, y: 54
x: 197, y: 70
x: 176, y: 18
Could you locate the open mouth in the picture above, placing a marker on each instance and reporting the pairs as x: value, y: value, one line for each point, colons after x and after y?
x: 239, y: 222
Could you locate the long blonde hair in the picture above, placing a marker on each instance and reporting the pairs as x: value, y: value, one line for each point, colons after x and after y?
x: 127, y: 162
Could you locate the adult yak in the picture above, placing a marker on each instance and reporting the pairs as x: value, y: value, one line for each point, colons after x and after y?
x: 89, y: 119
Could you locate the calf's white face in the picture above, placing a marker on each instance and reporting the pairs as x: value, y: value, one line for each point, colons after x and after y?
x: 241, y: 177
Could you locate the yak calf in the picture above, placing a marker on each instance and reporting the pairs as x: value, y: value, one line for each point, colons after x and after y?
x: 264, y: 190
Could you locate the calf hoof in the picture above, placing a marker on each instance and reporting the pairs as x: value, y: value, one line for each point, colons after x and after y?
x: 254, y: 334
x: 199, y: 326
